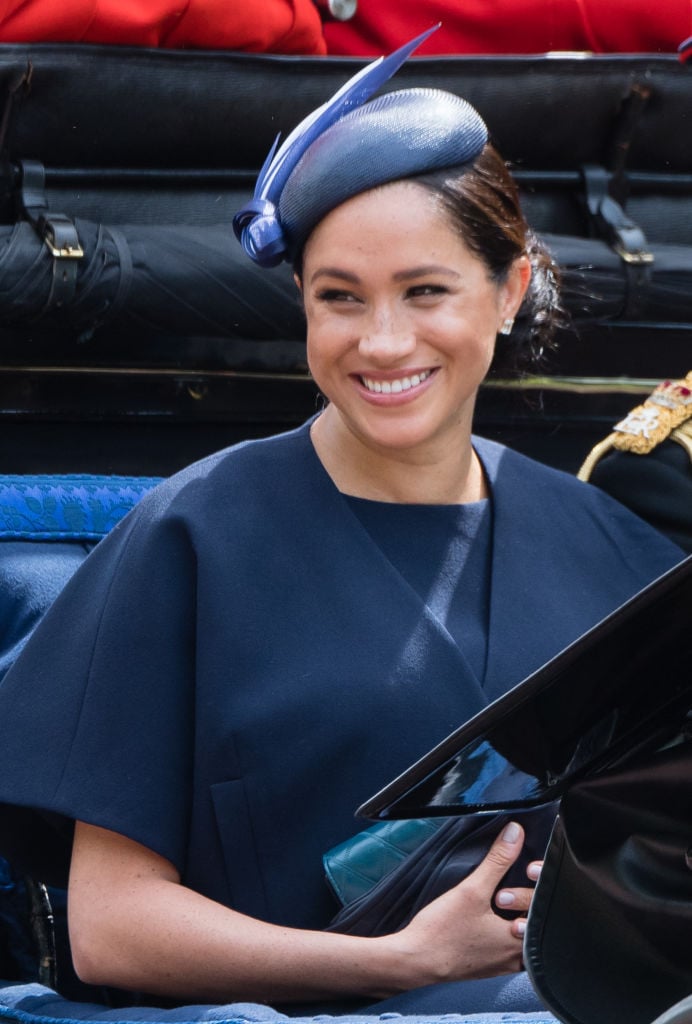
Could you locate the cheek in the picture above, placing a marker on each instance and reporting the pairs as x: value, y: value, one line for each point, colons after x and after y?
x: 486, y: 352
x: 468, y: 336
x: 328, y: 337
x: 470, y: 354
x: 313, y: 356
x: 322, y: 351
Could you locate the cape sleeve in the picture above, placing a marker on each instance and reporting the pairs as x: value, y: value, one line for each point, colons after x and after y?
x: 97, y: 714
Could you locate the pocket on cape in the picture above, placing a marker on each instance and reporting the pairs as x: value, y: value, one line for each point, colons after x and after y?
x: 237, y: 839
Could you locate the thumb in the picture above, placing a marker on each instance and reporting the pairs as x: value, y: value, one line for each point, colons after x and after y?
x: 501, y: 855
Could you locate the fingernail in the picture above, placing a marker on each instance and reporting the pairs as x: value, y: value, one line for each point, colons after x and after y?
x: 533, y: 871
x: 521, y: 927
x: 511, y: 833
x: 505, y: 899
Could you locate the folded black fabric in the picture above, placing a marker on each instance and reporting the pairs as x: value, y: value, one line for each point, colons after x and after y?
x: 447, y: 857
x: 609, y: 934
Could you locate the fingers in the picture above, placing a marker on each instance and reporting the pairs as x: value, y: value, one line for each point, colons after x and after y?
x: 514, y: 899
x: 512, y: 836
x: 501, y: 855
x: 533, y: 870
x: 519, y: 899
x: 505, y: 850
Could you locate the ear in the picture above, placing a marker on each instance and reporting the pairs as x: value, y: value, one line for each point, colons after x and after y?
x: 299, y: 283
x: 514, y: 288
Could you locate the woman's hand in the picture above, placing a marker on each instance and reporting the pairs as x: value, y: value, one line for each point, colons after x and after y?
x: 459, y: 935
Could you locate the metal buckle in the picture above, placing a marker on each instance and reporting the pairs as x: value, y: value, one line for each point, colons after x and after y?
x: 61, y: 238
x: 67, y: 252
x: 638, y: 258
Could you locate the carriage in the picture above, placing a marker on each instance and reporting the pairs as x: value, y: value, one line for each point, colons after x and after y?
x: 136, y: 338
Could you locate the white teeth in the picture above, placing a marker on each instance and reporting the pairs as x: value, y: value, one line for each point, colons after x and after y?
x: 393, y: 387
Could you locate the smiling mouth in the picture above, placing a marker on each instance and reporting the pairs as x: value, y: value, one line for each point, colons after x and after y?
x: 394, y: 387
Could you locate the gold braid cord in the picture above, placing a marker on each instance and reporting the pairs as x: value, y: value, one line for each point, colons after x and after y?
x: 683, y: 435
x: 666, y: 413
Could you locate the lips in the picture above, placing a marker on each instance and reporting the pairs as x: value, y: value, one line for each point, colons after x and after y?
x: 396, y: 386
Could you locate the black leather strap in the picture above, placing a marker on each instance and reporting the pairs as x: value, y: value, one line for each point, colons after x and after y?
x: 623, y: 235
x: 56, y: 230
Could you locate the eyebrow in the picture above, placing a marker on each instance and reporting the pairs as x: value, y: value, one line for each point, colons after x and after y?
x: 401, y: 275
x: 343, y: 275
x: 432, y: 268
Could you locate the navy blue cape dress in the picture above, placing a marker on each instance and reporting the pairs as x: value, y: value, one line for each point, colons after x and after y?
x: 237, y: 666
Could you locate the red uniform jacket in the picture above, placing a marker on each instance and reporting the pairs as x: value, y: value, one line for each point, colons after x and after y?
x: 514, y: 26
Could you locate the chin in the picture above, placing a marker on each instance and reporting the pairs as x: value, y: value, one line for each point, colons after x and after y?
x: 398, y: 439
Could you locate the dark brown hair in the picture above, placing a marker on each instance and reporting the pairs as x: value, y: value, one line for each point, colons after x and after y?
x: 481, y: 200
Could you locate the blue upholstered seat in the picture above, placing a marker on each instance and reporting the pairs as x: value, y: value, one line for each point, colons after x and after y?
x: 71, y: 507
x: 48, y: 524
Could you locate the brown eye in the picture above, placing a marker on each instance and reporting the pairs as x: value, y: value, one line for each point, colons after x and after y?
x: 335, y: 295
x: 425, y: 290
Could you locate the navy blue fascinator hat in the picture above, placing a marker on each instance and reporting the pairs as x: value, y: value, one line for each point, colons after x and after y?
x: 348, y: 146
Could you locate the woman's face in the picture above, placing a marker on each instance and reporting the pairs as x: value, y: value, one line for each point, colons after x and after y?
x: 402, y: 319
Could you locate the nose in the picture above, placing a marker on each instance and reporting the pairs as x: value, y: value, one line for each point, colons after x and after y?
x: 387, y: 338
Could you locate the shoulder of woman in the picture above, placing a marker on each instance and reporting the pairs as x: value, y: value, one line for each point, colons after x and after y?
x: 233, y: 473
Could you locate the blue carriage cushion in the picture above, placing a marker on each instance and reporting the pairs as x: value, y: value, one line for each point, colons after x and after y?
x: 37, y: 1004
x: 48, y: 525
x: 70, y: 507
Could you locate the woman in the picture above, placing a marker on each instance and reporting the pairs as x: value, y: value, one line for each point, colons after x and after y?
x: 278, y: 630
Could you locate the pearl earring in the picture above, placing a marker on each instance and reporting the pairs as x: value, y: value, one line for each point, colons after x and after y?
x: 507, y: 325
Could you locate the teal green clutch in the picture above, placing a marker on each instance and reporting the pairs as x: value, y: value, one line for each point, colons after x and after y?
x: 356, y: 865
